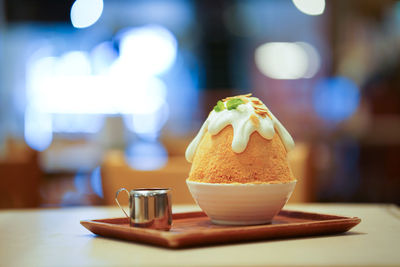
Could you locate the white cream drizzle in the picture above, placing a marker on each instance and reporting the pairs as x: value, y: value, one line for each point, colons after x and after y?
x: 243, y: 127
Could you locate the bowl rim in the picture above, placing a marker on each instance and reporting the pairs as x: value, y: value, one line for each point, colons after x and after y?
x: 239, y: 184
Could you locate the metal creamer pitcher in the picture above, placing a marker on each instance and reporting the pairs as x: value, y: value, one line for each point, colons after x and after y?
x: 149, y: 207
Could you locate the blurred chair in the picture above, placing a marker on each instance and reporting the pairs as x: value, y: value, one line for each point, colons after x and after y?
x: 20, y: 176
x: 299, y: 162
x: 116, y: 173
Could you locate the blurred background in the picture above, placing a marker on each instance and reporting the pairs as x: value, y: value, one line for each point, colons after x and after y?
x: 101, y: 94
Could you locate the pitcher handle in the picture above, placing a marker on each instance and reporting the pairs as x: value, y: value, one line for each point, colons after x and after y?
x: 116, y: 199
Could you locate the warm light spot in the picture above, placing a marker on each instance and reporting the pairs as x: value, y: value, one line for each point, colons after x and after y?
x: 287, y: 61
x: 313, y: 59
x: 281, y: 60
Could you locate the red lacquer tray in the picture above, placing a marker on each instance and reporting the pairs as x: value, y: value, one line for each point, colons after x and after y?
x: 195, y: 229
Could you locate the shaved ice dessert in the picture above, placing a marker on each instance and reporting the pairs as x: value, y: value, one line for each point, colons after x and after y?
x: 240, y: 142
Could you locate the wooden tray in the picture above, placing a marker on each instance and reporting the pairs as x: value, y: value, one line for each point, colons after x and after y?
x: 195, y: 228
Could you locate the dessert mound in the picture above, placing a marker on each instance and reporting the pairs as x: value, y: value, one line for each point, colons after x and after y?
x: 240, y: 142
x: 263, y: 161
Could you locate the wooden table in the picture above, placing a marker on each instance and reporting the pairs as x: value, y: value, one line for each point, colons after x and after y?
x: 54, y: 237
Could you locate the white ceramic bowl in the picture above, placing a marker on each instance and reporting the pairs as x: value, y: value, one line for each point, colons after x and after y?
x: 241, y: 204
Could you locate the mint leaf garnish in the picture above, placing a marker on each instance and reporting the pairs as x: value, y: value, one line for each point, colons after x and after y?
x: 234, y: 103
x: 220, y: 106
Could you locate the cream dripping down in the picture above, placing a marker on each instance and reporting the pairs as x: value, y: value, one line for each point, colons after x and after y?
x: 243, y: 126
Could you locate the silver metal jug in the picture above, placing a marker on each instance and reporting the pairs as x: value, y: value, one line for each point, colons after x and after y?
x: 149, y: 207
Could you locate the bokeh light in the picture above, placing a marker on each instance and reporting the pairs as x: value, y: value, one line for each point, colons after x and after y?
x: 85, y: 13
x: 147, y: 125
x: 74, y: 63
x: 146, y: 155
x: 313, y: 59
x: 281, y: 60
x: 96, y: 183
x: 102, y: 56
x: 149, y: 50
x: 38, y: 131
x: 310, y: 7
x: 61, y: 87
x: 336, y: 99
x: 82, y: 123
x: 287, y: 61
x: 138, y: 95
